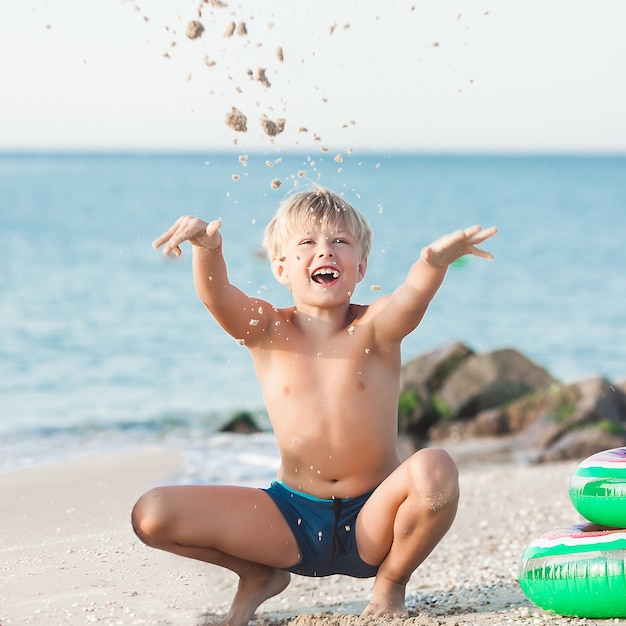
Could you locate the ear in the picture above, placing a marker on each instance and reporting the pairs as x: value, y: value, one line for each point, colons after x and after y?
x: 280, y: 271
x: 361, y: 270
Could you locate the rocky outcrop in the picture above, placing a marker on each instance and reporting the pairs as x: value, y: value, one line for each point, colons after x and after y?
x: 453, y: 383
x: 420, y: 382
x: 485, y: 381
x: 241, y: 423
x: 453, y: 393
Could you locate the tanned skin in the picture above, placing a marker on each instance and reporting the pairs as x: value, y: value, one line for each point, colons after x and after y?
x: 329, y: 370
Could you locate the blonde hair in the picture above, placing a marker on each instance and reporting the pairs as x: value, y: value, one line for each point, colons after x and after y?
x: 307, y: 210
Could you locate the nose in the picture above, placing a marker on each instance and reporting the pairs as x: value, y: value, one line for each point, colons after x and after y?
x: 325, y: 250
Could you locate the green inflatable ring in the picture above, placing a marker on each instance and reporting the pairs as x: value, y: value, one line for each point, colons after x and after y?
x: 579, y: 571
x: 597, y: 488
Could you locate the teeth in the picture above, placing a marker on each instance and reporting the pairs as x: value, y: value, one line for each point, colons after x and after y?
x: 327, y: 270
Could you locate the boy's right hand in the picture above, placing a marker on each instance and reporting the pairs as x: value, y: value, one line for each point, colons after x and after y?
x: 191, y: 229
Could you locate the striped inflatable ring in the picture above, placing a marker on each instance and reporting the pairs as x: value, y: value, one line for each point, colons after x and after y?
x: 578, y: 571
x: 597, y: 488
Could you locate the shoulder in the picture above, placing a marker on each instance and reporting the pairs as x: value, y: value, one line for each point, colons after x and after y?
x: 367, y: 312
x: 285, y: 314
x: 252, y: 322
x: 384, y: 321
x: 365, y: 315
x: 276, y: 321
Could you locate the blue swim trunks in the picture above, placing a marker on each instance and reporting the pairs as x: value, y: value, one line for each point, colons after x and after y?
x: 324, y: 531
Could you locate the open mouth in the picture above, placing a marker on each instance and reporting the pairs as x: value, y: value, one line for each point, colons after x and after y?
x: 325, y: 275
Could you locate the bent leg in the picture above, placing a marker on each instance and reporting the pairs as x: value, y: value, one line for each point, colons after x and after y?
x: 402, y: 522
x: 234, y: 527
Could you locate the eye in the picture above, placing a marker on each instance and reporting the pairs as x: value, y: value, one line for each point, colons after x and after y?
x: 340, y: 240
x: 306, y: 242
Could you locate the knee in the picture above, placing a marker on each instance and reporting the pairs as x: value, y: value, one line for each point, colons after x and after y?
x: 150, y: 518
x: 435, y: 477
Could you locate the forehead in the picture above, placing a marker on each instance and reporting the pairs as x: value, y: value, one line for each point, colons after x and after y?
x: 318, y: 230
x: 312, y: 222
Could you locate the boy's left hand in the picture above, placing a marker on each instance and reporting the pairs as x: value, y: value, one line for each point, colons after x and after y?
x: 449, y: 248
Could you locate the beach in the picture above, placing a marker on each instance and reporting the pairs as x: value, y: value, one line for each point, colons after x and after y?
x: 68, y: 554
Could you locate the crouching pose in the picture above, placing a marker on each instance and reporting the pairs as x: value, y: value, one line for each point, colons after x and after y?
x: 342, y: 502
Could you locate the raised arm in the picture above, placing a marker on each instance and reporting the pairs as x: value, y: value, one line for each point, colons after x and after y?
x: 404, y: 309
x: 245, y: 318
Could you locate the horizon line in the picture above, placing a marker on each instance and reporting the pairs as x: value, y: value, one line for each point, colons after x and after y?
x: 349, y: 152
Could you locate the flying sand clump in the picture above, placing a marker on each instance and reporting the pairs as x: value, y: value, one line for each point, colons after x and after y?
x: 194, y: 29
x: 262, y: 78
x: 273, y: 128
x: 236, y: 120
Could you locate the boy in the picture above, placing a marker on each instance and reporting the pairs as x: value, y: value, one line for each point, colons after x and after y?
x: 329, y: 371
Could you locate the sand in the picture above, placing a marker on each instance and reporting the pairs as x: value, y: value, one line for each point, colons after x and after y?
x: 68, y: 554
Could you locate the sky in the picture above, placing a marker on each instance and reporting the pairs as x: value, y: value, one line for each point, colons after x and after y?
x: 420, y: 75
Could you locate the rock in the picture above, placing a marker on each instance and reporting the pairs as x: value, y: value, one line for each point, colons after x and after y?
x: 242, y: 424
x: 485, y: 381
x: 581, y: 443
x: 420, y: 381
x: 431, y: 369
x: 555, y: 401
x: 491, y: 423
x: 453, y: 394
x: 558, y: 418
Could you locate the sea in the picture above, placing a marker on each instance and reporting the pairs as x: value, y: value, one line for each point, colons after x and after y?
x: 104, y: 345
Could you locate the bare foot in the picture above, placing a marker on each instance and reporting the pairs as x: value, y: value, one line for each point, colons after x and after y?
x: 387, y: 600
x: 251, y: 593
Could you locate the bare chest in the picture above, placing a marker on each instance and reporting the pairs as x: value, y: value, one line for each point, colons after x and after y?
x: 338, y: 383
x: 343, y: 363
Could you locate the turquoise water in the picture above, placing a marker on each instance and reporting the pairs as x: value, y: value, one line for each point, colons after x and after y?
x: 100, y: 333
